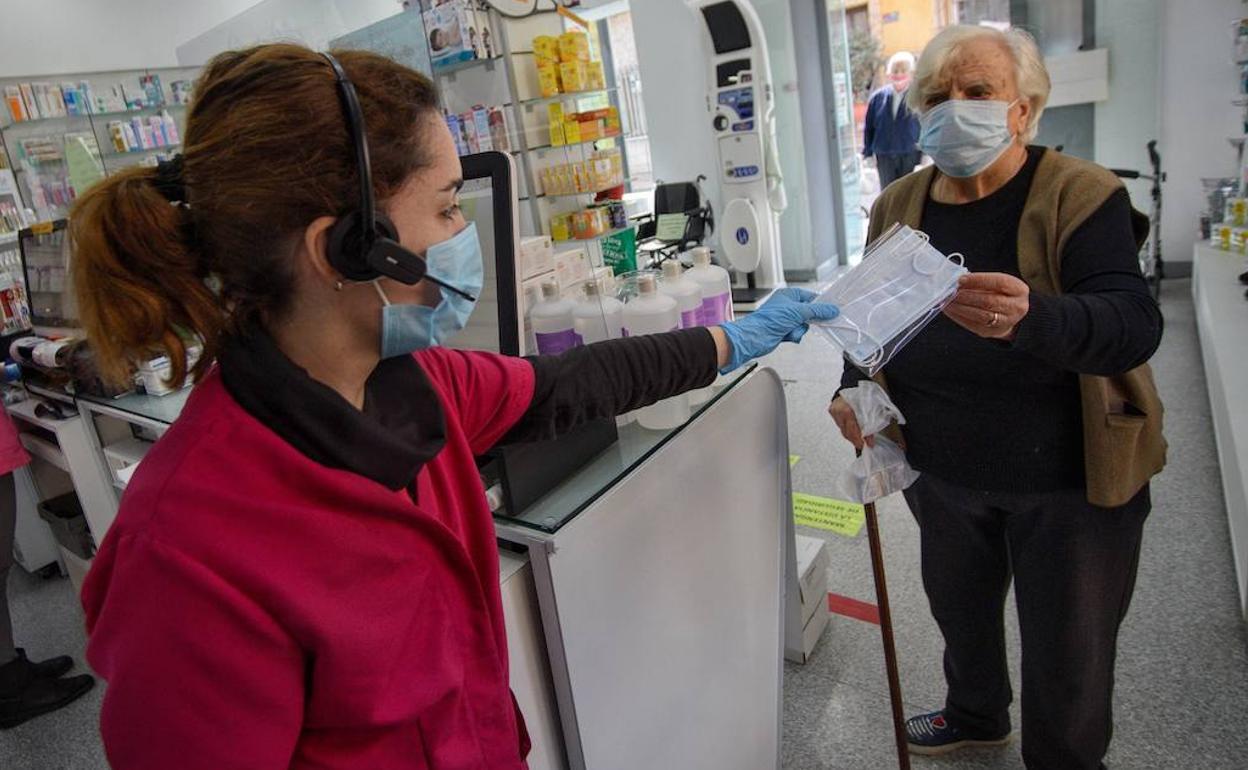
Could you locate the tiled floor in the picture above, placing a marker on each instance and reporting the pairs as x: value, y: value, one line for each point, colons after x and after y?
x: 1182, y: 691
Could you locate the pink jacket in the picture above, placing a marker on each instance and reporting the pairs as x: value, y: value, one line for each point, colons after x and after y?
x: 251, y: 608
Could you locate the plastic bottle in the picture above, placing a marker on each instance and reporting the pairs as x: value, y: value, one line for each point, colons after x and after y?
x: 688, y: 295
x: 599, y: 316
x: 652, y: 312
x: 552, y: 321
x: 171, y: 127
x: 716, y: 288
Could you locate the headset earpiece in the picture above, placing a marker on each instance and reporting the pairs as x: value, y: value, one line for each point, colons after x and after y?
x: 358, y: 259
x: 364, y: 245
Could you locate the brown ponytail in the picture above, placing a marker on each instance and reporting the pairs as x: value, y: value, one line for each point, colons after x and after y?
x: 266, y: 152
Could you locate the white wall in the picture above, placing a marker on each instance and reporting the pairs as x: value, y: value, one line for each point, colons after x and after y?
x: 1198, y: 81
x: 1125, y: 122
x: 313, y: 23
x: 674, y: 85
x: 48, y: 37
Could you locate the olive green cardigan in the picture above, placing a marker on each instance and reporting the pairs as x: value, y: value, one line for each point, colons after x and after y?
x: 1122, y: 415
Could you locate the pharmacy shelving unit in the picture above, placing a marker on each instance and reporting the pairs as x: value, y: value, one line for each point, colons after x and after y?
x: 510, y: 80
x: 44, y: 181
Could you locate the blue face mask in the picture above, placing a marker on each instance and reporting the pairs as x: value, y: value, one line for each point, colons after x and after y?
x: 965, y: 136
x: 407, y: 328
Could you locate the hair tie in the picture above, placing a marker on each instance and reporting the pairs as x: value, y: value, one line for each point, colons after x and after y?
x: 170, y: 181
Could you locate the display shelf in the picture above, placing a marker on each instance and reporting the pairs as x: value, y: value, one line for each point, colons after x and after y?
x: 565, y: 97
x: 139, y: 111
x: 489, y: 64
x: 596, y: 238
x: 43, y: 121
x: 133, y: 153
x: 579, y: 194
x: 90, y: 115
x: 538, y: 147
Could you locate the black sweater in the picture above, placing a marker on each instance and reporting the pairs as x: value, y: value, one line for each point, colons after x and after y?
x: 998, y: 416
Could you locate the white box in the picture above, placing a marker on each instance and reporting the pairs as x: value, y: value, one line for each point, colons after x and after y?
x: 812, y: 573
x: 124, y: 454
x: 571, y: 268
x: 811, y: 633
x: 812, y: 570
x: 537, y: 255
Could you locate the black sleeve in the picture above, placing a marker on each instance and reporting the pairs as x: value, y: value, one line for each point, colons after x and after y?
x: 1106, y: 321
x: 609, y: 378
x: 850, y: 376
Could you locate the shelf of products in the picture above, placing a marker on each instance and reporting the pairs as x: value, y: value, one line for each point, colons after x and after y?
x: 142, y: 152
x: 64, y: 136
x: 565, y: 97
x: 540, y: 147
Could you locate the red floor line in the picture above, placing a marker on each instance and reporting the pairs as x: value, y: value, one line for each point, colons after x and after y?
x: 852, y: 608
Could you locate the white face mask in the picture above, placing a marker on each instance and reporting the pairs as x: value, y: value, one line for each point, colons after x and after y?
x: 965, y: 136
x: 902, y: 283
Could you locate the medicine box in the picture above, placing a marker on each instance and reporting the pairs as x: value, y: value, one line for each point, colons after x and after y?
x: 537, y: 256
x: 812, y: 572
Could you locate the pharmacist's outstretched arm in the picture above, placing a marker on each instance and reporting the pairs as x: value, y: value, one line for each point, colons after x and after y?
x: 616, y: 376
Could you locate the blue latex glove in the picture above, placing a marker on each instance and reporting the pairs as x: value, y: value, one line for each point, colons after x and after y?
x: 782, y: 318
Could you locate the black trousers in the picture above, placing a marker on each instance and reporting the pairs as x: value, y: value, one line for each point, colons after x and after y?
x: 1073, y: 566
x: 892, y: 167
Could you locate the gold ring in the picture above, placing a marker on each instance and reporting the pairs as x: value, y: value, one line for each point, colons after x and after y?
x: 994, y: 320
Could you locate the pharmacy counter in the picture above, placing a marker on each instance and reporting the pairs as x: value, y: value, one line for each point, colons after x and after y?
x: 1221, y: 319
x: 660, y: 574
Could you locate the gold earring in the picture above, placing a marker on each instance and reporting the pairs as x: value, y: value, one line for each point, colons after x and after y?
x: 337, y: 285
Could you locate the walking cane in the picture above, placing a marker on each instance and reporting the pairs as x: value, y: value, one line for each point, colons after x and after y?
x: 886, y: 628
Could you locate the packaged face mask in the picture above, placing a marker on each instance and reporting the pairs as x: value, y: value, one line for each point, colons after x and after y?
x: 902, y: 283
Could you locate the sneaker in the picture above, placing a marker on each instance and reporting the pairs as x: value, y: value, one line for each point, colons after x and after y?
x: 930, y: 734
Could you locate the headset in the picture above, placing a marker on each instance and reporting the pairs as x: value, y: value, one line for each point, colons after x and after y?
x: 364, y: 244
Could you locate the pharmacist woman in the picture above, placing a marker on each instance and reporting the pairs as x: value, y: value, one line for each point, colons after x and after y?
x: 304, y: 572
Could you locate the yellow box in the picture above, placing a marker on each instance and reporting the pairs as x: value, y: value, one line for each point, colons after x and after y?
x: 574, y: 46
x: 546, y: 47
x: 571, y: 131
x: 595, y: 78
x: 560, y: 227
x: 572, y: 75
x: 1222, y: 236
x: 548, y: 80
x: 557, y: 138
x: 1236, y: 212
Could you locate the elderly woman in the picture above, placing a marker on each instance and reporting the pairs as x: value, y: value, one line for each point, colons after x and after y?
x: 891, y: 131
x: 1029, y: 408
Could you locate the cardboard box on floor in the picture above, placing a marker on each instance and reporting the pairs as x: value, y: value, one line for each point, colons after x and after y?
x: 810, y: 607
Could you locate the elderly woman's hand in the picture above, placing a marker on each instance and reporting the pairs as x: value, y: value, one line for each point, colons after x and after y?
x: 990, y: 304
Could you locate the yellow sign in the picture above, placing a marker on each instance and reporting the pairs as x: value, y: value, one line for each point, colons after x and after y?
x: 843, y: 518
x: 42, y: 228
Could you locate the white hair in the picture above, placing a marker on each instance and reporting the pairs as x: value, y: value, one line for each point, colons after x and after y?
x: 1029, y: 70
x: 901, y: 56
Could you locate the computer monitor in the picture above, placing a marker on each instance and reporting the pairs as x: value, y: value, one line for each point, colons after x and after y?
x: 489, y: 199
x: 45, y: 263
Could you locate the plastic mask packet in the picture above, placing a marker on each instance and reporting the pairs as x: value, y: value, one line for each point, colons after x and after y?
x: 902, y: 283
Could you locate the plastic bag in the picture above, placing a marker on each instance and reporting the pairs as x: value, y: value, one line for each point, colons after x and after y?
x: 902, y: 283
x: 880, y: 470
